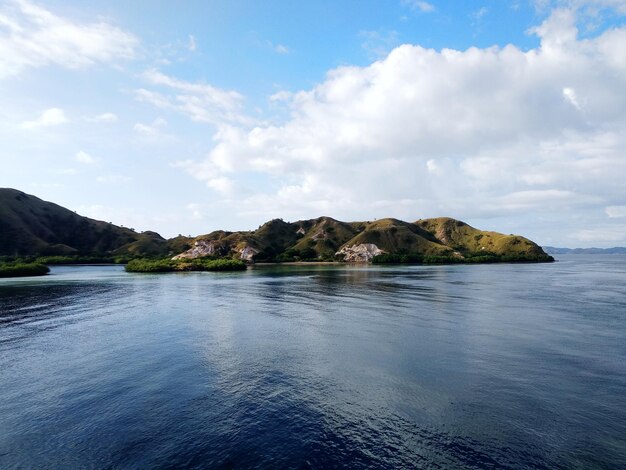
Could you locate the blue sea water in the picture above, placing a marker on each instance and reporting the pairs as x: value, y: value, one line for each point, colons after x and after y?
x: 486, y: 366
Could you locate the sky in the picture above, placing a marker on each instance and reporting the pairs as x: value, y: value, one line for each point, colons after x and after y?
x: 187, y: 117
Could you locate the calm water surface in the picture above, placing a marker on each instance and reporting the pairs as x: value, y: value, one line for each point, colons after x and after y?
x: 493, y: 366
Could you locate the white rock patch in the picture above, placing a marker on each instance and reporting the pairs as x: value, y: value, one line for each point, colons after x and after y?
x: 359, y: 253
x: 200, y: 248
x: 247, y: 252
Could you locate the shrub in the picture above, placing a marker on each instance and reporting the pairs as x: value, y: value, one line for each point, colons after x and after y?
x: 149, y: 266
x: 199, y: 264
x: 308, y: 253
x: 23, y: 269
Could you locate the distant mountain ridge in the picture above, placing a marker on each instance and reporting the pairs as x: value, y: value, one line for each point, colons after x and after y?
x: 30, y: 226
x: 617, y: 250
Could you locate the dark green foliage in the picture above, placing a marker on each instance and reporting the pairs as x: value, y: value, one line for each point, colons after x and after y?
x: 23, y: 269
x: 292, y: 254
x: 266, y: 256
x: 210, y: 265
x: 285, y: 258
x: 199, y: 264
x: 150, y: 266
x: 308, y: 253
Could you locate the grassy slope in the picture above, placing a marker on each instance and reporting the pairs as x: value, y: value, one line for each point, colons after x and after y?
x: 468, y: 240
x: 31, y: 226
x: 325, y: 236
x: 396, y: 236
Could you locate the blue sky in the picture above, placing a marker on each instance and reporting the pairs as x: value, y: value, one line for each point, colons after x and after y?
x: 192, y: 116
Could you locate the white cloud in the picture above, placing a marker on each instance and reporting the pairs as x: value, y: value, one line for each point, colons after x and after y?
x: 615, y: 212
x: 84, y: 157
x: 420, y: 5
x: 31, y: 36
x: 480, y: 13
x: 199, y: 101
x: 104, y: 117
x: 570, y: 95
x: 150, y: 130
x: 144, y: 129
x: 196, y: 211
x: 281, y: 49
x: 485, y: 132
x: 601, y: 235
x: 222, y: 184
x: 49, y: 117
x: 618, y: 5
x: 274, y: 47
x: 433, y: 167
x: 191, y: 45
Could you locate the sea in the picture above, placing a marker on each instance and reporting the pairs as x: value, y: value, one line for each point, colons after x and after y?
x: 512, y: 366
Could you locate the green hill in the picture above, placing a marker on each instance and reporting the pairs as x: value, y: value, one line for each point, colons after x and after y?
x: 468, y: 240
x: 324, y: 238
x: 30, y: 226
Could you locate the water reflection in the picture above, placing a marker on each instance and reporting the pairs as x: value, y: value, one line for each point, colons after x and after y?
x: 508, y: 366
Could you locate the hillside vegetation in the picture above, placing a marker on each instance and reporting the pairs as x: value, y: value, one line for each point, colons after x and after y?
x: 384, y: 240
x: 168, y: 265
x: 23, y: 269
x: 31, y: 228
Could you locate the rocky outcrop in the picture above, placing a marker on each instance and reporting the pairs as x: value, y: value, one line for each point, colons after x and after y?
x: 247, y: 253
x: 199, y: 249
x: 362, y: 253
x: 203, y: 248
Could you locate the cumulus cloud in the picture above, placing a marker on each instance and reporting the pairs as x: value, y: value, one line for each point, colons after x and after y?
x: 49, y: 117
x: 480, y: 133
x: 32, y: 36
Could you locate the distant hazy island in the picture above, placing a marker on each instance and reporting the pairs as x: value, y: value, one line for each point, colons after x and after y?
x: 617, y: 250
x: 35, y: 233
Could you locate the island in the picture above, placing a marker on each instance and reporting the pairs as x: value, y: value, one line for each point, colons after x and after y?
x: 36, y: 233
